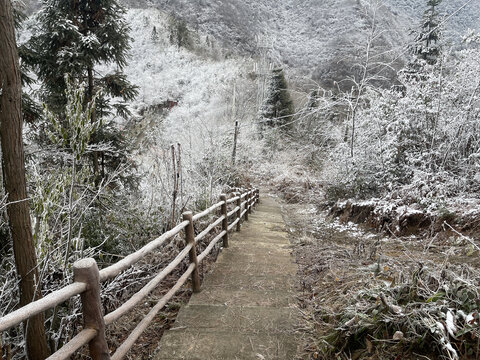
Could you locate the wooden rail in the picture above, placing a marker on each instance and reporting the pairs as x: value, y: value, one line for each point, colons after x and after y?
x: 88, y: 278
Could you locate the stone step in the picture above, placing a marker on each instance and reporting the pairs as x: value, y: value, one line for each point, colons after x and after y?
x: 237, y: 320
x: 237, y: 296
x: 201, y: 345
x: 249, y: 246
x: 273, y: 259
x: 247, y: 281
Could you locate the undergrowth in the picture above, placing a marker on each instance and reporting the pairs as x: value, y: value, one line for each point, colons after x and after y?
x: 431, y: 312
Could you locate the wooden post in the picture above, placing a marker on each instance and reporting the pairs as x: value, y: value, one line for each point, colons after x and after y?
x: 246, y: 206
x: 250, y: 201
x: 180, y: 173
x: 175, y: 187
x: 223, y: 198
x: 86, y: 271
x: 239, y: 211
x: 235, y: 138
x: 190, y: 239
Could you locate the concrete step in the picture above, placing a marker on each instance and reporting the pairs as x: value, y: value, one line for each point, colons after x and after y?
x: 201, y: 345
x: 237, y: 320
x: 237, y: 296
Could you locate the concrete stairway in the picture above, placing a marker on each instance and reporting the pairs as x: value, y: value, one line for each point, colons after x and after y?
x: 246, y: 309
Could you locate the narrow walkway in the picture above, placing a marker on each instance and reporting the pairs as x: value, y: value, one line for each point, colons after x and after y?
x: 246, y: 307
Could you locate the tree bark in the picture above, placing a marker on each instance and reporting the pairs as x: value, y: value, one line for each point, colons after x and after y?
x: 15, y: 183
x: 93, y: 119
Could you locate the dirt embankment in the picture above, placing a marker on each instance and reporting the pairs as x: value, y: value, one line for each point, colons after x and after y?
x: 398, y: 219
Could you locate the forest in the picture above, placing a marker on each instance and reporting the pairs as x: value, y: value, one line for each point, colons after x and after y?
x: 118, y: 117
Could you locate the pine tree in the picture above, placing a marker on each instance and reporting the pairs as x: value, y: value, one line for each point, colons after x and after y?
x: 73, y: 38
x: 277, y: 108
x: 179, y: 33
x: 154, y: 36
x: 427, y: 40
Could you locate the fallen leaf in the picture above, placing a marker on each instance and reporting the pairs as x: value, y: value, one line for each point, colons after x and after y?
x: 369, y: 346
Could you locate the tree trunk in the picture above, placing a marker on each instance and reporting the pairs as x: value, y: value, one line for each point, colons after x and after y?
x: 93, y: 119
x: 15, y: 183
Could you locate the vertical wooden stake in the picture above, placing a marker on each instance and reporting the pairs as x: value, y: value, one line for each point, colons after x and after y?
x: 223, y: 198
x: 239, y: 211
x: 235, y: 138
x: 86, y: 271
x: 180, y: 173
x: 246, y: 206
x: 175, y: 187
x: 190, y: 239
x: 250, y: 201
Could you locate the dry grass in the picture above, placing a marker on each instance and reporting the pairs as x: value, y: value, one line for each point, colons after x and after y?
x: 359, y: 289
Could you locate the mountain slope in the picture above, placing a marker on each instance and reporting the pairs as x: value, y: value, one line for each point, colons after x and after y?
x: 311, y: 36
x: 318, y: 39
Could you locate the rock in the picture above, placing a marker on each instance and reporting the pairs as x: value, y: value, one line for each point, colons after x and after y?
x: 398, y: 336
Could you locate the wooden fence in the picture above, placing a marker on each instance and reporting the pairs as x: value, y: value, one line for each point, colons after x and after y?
x: 87, y: 280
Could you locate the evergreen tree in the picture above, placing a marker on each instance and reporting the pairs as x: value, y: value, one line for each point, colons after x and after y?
x: 427, y: 40
x: 154, y: 35
x: 277, y: 108
x: 73, y: 37
x: 179, y: 33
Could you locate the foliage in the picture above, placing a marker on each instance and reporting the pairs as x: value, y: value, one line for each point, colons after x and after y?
x: 429, y: 313
x: 73, y: 37
x: 427, y: 40
x: 76, y: 131
x: 179, y: 33
x: 277, y: 109
x: 76, y: 38
x: 421, y: 135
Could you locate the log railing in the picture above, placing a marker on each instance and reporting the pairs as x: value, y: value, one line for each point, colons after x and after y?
x: 88, y: 278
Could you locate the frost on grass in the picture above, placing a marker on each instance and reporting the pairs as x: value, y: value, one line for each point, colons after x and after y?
x: 436, y: 310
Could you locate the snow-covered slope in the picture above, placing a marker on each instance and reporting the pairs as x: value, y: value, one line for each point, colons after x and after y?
x: 184, y: 87
x: 184, y: 97
x: 318, y: 38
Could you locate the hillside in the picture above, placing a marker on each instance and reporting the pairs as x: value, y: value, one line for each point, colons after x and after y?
x: 311, y: 36
x: 318, y: 39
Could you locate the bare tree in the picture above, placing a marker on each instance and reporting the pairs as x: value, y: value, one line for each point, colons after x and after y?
x: 370, y: 68
x: 15, y: 183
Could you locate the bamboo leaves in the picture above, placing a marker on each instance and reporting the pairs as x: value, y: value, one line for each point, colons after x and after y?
x: 75, y: 131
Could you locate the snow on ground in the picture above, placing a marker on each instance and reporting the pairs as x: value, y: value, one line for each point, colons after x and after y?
x: 198, y: 82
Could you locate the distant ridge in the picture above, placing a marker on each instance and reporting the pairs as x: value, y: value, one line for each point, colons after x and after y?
x: 318, y: 39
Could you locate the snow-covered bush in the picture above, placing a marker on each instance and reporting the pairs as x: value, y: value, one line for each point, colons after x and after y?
x: 422, y: 133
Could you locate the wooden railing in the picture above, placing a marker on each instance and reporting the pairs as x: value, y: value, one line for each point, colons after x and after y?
x: 88, y: 278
